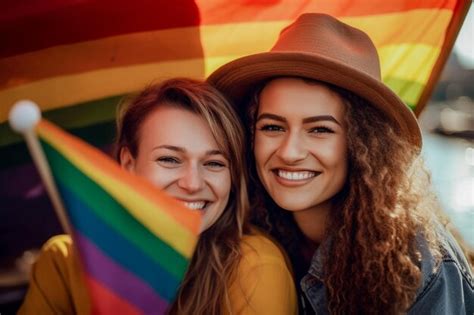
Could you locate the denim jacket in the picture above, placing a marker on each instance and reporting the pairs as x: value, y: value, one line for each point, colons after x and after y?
x: 447, y: 286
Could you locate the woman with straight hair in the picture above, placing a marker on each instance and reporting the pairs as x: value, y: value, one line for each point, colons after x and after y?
x: 338, y: 179
x: 184, y: 137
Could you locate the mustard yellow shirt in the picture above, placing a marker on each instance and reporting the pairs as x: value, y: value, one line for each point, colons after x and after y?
x: 263, y: 282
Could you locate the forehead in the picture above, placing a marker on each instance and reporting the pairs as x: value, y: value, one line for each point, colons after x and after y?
x: 291, y: 97
x: 178, y: 127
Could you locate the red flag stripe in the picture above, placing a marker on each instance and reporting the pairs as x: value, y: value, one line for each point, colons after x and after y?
x: 42, y: 24
x: 110, y: 303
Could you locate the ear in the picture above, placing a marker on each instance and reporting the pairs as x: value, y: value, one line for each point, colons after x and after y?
x: 127, y: 162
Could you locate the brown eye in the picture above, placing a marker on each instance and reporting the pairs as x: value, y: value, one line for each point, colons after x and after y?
x: 321, y: 130
x: 271, y: 128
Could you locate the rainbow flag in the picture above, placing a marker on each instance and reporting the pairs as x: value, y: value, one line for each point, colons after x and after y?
x: 134, y: 241
x: 79, y: 71
x: 79, y: 58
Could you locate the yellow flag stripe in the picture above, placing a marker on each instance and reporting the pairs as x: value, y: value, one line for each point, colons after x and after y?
x: 151, y: 215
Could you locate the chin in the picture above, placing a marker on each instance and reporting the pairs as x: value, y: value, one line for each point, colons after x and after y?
x: 292, y: 206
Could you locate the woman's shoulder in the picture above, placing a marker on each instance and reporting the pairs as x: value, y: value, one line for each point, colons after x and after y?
x: 450, y: 253
x: 58, y: 257
x: 59, y: 252
x: 60, y: 244
x: 445, y: 278
x: 261, y: 248
x: 56, y: 283
x: 263, y: 276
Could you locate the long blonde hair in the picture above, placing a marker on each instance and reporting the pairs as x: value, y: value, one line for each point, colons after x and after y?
x: 205, y: 288
x: 372, y: 264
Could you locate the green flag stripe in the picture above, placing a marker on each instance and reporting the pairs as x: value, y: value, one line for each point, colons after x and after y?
x: 98, y: 135
x: 408, y: 91
x: 114, y: 214
x: 71, y: 117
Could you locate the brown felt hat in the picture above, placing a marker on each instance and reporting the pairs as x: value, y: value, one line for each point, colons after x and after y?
x: 320, y: 47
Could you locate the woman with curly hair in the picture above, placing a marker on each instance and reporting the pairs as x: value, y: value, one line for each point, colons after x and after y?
x: 340, y: 180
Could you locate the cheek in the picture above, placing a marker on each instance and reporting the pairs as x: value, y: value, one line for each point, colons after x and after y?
x: 221, y: 185
x: 157, y: 175
x: 334, y: 154
x: 339, y: 160
x: 263, y: 148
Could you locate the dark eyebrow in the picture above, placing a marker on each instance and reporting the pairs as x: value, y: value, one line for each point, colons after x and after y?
x: 271, y: 116
x: 305, y: 120
x: 182, y: 150
x: 320, y: 118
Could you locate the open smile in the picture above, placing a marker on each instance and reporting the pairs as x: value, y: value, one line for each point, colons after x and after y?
x: 196, y: 204
x: 294, y: 177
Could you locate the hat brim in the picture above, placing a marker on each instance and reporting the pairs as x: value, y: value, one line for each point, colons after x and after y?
x: 238, y: 78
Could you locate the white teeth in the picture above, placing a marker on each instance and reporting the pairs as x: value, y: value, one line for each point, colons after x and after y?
x: 296, y: 175
x: 197, y: 205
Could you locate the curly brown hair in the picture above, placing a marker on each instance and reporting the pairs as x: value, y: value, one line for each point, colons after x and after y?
x: 372, y: 264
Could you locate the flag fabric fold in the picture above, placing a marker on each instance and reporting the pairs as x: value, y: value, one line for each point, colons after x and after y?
x: 134, y: 241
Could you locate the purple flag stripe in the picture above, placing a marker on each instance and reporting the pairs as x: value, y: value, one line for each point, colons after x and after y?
x: 113, y: 276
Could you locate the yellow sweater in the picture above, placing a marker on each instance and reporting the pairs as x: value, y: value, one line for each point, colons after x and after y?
x: 263, y: 283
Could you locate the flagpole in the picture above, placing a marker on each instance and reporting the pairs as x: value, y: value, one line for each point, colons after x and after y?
x: 23, y: 118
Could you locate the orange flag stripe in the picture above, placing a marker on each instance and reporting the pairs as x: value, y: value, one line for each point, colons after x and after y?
x: 63, y: 91
x: 109, y: 52
x: 223, y: 11
x: 118, y: 51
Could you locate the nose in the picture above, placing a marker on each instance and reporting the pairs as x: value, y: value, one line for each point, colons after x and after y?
x: 191, y: 180
x: 292, y: 149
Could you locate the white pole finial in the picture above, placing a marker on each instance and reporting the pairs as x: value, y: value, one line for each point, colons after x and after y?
x: 24, y: 115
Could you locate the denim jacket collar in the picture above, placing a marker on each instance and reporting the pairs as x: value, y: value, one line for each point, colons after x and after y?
x: 316, y: 267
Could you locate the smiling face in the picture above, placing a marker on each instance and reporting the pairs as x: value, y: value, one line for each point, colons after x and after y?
x: 178, y: 153
x: 300, y: 143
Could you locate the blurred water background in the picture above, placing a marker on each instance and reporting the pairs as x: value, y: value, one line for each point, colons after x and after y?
x: 451, y: 162
x: 448, y: 133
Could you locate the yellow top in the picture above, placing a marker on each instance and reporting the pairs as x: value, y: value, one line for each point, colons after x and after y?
x: 263, y: 282
x: 56, y: 284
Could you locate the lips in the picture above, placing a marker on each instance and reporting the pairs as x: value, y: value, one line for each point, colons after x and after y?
x: 295, y: 176
x: 195, y: 204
